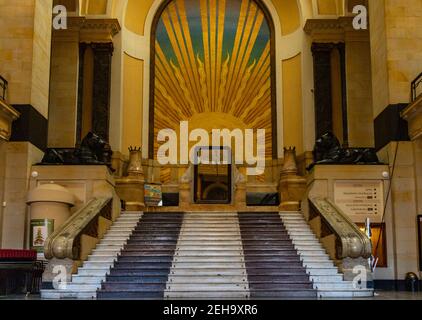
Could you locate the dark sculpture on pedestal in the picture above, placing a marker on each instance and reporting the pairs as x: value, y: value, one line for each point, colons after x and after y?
x: 329, y: 151
x: 93, y: 150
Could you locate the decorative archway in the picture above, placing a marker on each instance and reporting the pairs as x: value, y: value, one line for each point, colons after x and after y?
x: 213, y: 58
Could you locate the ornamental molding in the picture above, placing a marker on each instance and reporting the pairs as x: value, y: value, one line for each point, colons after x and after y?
x: 335, y: 30
x: 7, y: 116
x: 82, y: 29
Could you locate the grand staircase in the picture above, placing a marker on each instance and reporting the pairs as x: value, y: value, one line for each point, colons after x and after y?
x: 141, y: 270
x: 273, y: 265
x: 209, y: 256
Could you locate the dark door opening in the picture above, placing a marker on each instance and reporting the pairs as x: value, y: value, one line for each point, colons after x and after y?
x: 213, y: 175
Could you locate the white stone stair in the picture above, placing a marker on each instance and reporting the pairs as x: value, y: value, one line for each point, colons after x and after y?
x: 208, y: 261
x: 323, y: 273
x: 88, y: 279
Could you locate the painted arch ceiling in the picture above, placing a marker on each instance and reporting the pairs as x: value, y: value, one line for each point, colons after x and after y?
x: 213, y: 64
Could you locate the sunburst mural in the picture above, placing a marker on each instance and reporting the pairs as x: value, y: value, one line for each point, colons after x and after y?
x: 213, y: 57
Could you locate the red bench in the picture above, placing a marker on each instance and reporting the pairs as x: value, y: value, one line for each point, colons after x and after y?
x: 20, y: 272
x: 18, y: 255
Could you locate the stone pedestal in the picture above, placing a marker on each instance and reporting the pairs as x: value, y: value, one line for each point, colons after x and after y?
x: 131, y: 188
x: 51, y: 201
x: 185, y: 196
x: 292, y: 187
x: 240, y: 196
x: 85, y: 183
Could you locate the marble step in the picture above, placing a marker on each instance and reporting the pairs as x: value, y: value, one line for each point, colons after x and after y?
x: 176, y: 279
x: 119, y: 239
x: 235, y: 263
x: 209, y: 248
x: 206, y: 286
x: 87, y: 279
x: 337, y: 294
x: 318, y: 264
x: 82, y: 286
x: 97, y: 265
x: 315, y: 271
x: 93, y: 272
x: 59, y: 294
x: 334, y: 285
x: 110, y: 245
x: 326, y: 278
x: 208, y: 271
x: 232, y: 295
x: 204, y: 259
x: 312, y: 259
x: 309, y: 252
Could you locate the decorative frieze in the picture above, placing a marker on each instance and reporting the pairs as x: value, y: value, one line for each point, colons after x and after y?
x: 88, y: 30
x: 7, y: 116
x: 334, y: 30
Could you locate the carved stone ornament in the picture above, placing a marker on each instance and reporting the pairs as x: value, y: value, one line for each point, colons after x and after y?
x: 135, y: 162
x: 351, y: 242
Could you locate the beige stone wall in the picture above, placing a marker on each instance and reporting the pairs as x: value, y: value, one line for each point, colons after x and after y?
x: 63, y: 94
x: 379, y: 69
x: 16, y: 34
x: 2, y: 176
x: 41, y: 56
x: 20, y: 156
x: 402, y: 235
x: 359, y: 94
x: 25, y: 39
x: 396, y: 43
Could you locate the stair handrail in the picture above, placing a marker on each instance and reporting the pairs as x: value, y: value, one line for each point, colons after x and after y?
x: 351, y: 242
x: 65, y: 242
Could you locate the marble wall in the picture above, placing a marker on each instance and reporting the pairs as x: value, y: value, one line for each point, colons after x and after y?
x: 396, y: 48
x: 2, y: 176
x: 402, y: 238
x: 25, y: 39
x: 63, y: 94
x: 19, y: 158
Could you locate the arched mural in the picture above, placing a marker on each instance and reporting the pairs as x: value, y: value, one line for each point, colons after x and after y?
x: 213, y: 60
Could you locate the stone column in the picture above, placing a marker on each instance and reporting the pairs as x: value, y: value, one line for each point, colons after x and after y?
x: 101, y: 88
x: 341, y: 47
x: 322, y: 88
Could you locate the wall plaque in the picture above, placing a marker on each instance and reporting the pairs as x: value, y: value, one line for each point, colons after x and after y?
x: 360, y: 199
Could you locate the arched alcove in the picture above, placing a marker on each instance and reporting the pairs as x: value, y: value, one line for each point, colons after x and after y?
x: 211, y: 60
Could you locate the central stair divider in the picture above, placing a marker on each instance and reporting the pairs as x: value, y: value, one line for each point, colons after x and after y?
x: 208, y: 262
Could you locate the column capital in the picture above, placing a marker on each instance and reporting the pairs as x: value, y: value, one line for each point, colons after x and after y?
x: 334, y: 30
x: 81, y: 29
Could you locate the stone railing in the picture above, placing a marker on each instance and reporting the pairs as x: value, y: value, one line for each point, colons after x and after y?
x: 67, y: 241
x: 346, y: 244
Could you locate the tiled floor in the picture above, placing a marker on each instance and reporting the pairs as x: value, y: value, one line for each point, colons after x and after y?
x: 380, y: 295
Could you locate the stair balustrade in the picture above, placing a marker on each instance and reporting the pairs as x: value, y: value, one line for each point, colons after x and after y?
x: 346, y: 244
x: 66, y: 242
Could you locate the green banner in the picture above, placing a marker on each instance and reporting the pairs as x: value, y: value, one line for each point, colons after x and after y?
x: 41, y: 229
